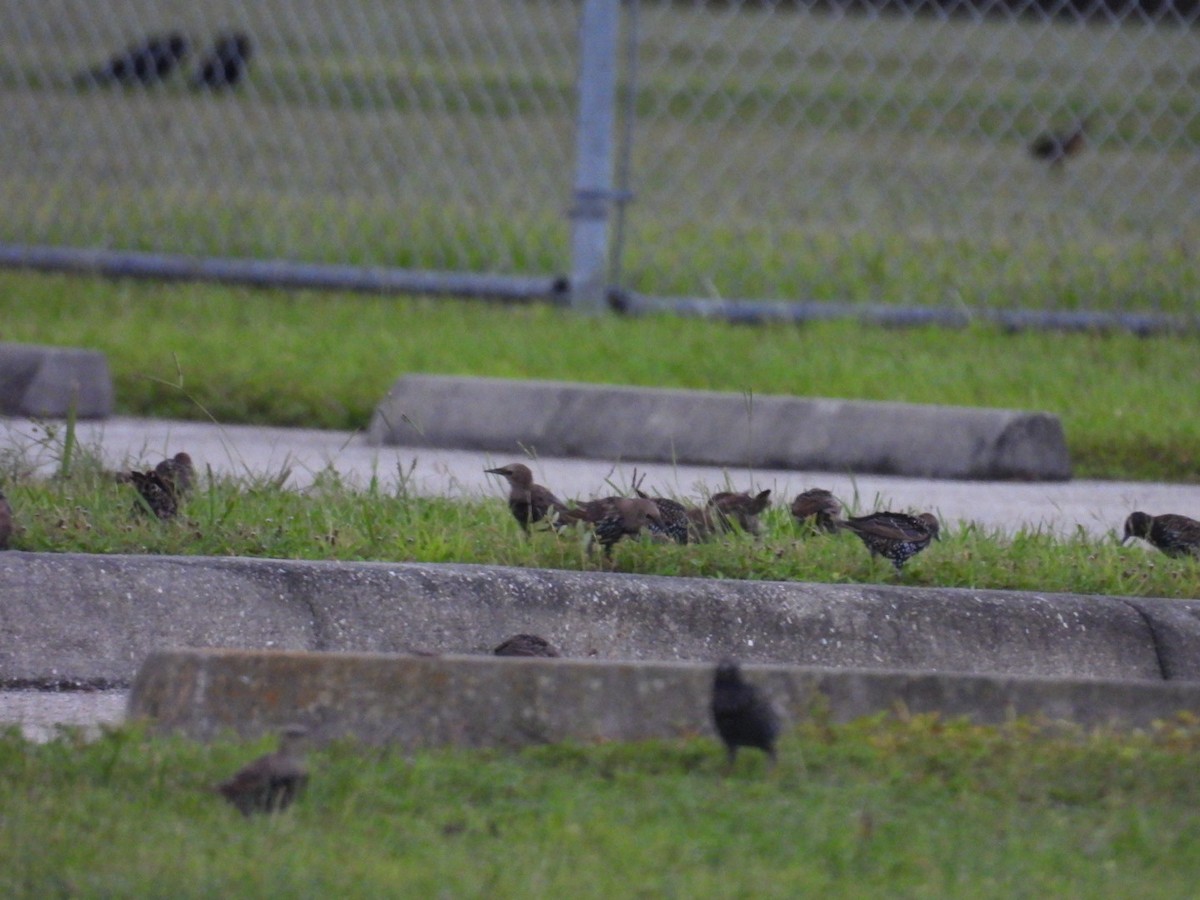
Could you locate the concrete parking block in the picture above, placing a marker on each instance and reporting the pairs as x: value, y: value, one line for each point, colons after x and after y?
x: 50, y: 382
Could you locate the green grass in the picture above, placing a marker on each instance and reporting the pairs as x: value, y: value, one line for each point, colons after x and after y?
x: 917, y: 807
x: 89, y: 512
x: 325, y: 360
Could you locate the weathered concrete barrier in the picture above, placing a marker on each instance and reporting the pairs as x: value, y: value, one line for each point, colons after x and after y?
x: 66, y: 616
x: 725, y: 429
x: 48, y: 381
x: 477, y: 702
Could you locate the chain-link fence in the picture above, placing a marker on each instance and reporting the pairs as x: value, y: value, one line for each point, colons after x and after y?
x: 769, y: 150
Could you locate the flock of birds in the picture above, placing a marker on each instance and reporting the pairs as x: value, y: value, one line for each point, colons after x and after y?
x: 154, y: 59
x: 896, y: 536
x: 742, y: 715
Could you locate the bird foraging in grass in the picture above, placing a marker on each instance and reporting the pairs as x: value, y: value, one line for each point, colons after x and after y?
x: 896, y: 536
x: 1173, y: 534
x: 816, y: 508
x: 675, y: 522
x: 742, y: 715
x: 225, y: 64
x: 612, y: 518
x: 530, y: 502
x: 162, y: 488
x: 1056, y: 146
x: 272, y: 782
x: 739, y: 507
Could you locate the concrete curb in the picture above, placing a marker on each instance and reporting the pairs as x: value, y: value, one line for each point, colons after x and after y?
x: 47, y: 381
x: 68, y: 616
x: 724, y: 429
x: 473, y: 702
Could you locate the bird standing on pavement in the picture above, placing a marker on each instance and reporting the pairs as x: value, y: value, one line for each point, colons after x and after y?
x: 742, y: 715
x: 1173, y: 534
x: 526, y: 645
x: 226, y: 63
x: 816, y: 508
x: 897, y: 536
x: 612, y: 518
x: 145, y: 63
x: 740, y: 507
x: 270, y: 783
x: 6, y: 521
x: 530, y: 502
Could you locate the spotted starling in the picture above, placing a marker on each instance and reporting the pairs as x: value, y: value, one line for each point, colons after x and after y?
x: 526, y: 645
x: 178, y: 472
x: 675, y: 521
x: 156, y: 494
x: 1054, y: 147
x: 740, y: 507
x: 225, y: 64
x: 896, y: 536
x: 270, y: 783
x: 1173, y: 534
x: 530, y: 502
x: 612, y: 518
x: 743, y: 716
x: 145, y: 63
x: 816, y: 508
x: 6, y: 521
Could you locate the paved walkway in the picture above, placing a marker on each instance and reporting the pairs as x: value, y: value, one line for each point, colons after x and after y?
x: 1097, y: 507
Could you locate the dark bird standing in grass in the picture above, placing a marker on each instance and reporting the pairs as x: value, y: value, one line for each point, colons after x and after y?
x: 225, y: 64
x: 6, y: 521
x: 897, y: 536
x: 1056, y: 146
x: 742, y: 715
x: 147, y: 62
x: 270, y: 783
x: 816, y: 508
x: 178, y: 472
x: 526, y: 645
x: 528, y: 501
x: 1173, y: 534
x: 612, y: 518
x: 675, y: 522
x: 156, y: 494
x: 740, y: 507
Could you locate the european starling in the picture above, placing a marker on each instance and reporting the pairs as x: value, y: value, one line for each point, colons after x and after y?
x: 526, y: 645
x: 816, y: 508
x: 740, y: 507
x: 143, y: 63
x: 270, y: 783
x: 897, y: 536
x: 1054, y: 146
x: 612, y: 518
x: 529, y: 502
x: 178, y: 472
x: 743, y: 716
x: 675, y: 522
x: 156, y: 493
x: 6, y: 521
x: 225, y: 64
x: 1173, y: 534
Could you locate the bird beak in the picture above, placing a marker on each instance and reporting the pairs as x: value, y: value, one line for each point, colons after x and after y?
x: 494, y: 471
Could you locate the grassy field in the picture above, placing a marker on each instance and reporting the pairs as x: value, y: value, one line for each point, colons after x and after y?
x: 917, y: 808
x: 777, y: 153
x: 325, y: 360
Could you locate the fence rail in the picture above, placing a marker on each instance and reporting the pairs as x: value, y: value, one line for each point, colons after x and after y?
x: 819, y: 153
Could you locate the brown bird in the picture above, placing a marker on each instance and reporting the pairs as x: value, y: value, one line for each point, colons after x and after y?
x: 270, y: 783
x: 742, y: 715
x: 526, y: 645
x: 675, y: 522
x: 612, y: 518
x: 1056, y: 146
x: 6, y: 521
x: 897, y: 536
x: 741, y: 508
x: 156, y: 495
x: 1173, y: 534
x: 178, y: 472
x: 816, y: 508
x: 530, y: 502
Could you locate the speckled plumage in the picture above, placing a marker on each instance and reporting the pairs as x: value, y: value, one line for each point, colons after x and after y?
x: 612, y: 518
x: 1173, y: 534
x: 675, y: 522
x: 896, y: 536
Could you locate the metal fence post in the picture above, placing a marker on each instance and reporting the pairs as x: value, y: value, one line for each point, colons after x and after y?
x: 591, y: 201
